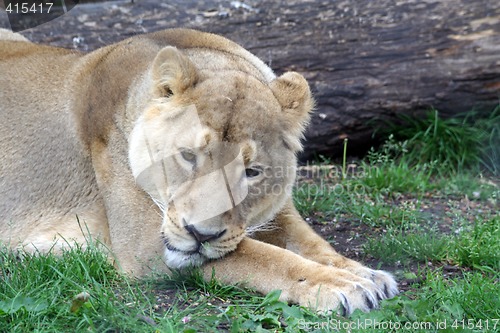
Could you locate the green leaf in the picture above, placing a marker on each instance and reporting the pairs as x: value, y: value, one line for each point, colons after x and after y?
x: 410, y: 275
x: 189, y: 330
x: 272, y: 297
x: 19, y: 302
x: 292, y: 312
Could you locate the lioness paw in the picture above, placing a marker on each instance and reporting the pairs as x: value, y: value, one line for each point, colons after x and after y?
x: 383, y: 280
x: 330, y: 289
x: 342, y: 297
x: 386, y: 282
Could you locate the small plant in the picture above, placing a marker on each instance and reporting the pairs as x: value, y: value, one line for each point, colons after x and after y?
x: 385, y: 171
x: 479, y: 247
x: 490, y: 160
x: 399, y: 246
x: 454, y: 144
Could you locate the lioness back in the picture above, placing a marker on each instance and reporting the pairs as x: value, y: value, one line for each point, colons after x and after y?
x: 44, y: 173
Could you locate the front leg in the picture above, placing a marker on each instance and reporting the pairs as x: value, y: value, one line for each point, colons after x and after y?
x: 134, y: 220
x: 294, y: 234
x: 265, y: 267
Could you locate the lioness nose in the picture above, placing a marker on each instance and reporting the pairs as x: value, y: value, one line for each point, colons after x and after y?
x: 202, y: 238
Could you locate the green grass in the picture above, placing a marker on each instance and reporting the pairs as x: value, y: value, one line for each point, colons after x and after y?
x: 405, y: 247
x: 416, y: 206
x: 469, y: 303
x: 37, y: 293
x: 414, y: 197
x: 329, y: 201
x: 456, y: 144
x: 37, y: 296
x: 476, y: 246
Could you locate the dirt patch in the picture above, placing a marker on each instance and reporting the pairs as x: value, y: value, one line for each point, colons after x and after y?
x: 348, y: 235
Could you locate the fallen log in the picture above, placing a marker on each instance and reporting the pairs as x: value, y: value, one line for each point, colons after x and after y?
x: 367, y: 61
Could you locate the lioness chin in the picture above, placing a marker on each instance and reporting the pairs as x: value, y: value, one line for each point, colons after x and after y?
x: 174, y: 149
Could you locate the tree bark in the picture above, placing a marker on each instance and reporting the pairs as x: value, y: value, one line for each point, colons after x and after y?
x: 367, y: 61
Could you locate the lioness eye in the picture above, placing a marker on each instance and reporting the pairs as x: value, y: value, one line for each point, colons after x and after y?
x: 252, y: 172
x: 189, y: 156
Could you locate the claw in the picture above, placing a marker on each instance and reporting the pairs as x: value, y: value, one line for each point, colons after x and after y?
x: 381, y: 295
x: 342, y: 310
x: 370, y: 303
x: 346, y: 309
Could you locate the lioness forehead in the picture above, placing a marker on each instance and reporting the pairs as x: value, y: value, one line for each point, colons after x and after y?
x: 237, y: 106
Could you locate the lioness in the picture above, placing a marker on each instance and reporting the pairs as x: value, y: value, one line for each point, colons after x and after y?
x: 177, y: 145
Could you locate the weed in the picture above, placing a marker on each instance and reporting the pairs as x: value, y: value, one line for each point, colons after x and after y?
x: 403, y: 247
x: 479, y: 246
x: 490, y: 150
x: 454, y: 144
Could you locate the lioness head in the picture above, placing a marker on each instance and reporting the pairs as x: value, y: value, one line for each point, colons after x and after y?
x: 215, y: 147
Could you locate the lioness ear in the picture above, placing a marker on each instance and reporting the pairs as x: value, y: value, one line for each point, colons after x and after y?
x: 173, y: 72
x: 292, y: 92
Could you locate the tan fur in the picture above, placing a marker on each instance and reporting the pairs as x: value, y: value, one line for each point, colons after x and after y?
x: 143, y: 140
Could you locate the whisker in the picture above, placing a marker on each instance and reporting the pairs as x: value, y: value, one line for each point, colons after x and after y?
x: 264, y: 226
